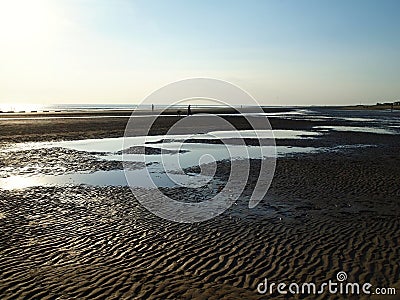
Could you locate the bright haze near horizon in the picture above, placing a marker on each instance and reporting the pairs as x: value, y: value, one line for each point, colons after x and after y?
x: 306, y: 52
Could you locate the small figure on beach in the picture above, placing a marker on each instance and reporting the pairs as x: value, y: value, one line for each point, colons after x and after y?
x: 189, y: 111
x: 152, y: 107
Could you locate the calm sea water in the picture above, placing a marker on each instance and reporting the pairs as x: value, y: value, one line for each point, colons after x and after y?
x: 84, y: 107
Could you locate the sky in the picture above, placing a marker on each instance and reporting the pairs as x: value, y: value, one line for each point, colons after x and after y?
x: 299, y: 52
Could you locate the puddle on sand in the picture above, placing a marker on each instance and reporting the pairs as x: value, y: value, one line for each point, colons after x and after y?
x: 155, y: 168
x: 264, y: 134
x: 101, y: 178
x: 117, y: 144
x: 357, y: 129
x: 158, y: 166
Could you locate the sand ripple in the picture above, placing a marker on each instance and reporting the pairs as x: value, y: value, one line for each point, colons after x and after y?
x: 92, y: 243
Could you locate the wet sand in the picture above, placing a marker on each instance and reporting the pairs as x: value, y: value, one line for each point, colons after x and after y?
x: 324, y: 213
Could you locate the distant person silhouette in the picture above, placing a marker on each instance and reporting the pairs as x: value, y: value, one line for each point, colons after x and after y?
x: 189, y: 112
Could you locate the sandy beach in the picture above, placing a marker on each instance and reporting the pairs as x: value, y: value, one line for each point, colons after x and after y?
x: 325, y: 212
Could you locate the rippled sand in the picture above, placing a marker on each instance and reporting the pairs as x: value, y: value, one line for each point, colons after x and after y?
x: 86, y: 242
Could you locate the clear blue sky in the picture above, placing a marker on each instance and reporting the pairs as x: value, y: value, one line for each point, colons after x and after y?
x: 118, y: 51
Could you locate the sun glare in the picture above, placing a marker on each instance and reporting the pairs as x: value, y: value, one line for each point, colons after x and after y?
x: 19, y: 182
x: 26, y: 22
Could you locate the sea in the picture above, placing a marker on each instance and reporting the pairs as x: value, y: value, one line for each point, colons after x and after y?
x: 13, y: 108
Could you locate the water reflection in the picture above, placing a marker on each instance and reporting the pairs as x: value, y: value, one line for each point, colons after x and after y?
x: 117, y: 144
x: 357, y: 129
x: 164, y: 173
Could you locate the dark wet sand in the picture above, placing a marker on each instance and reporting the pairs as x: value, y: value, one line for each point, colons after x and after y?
x: 324, y: 213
